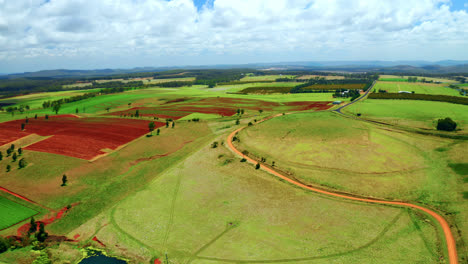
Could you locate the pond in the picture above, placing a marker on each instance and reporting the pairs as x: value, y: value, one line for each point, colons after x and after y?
x: 96, y: 257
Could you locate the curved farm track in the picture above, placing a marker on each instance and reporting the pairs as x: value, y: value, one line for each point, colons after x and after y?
x: 449, y: 239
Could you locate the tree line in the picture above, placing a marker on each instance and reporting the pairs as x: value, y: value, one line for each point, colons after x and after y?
x: 425, y: 97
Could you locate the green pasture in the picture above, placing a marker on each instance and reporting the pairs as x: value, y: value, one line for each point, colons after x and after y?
x: 183, y: 79
x: 418, y: 88
x: 422, y: 114
x: 35, y: 100
x: 358, y: 157
x: 211, y: 208
x: 400, y: 78
x: 201, y: 116
x: 265, y: 78
x: 12, y: 212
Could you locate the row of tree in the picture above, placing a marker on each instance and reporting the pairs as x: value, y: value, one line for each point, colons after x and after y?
x: 425, y: 97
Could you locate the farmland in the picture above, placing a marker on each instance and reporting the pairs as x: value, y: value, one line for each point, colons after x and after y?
x: 354, y: 86
x: 418, y: 88
x: 181, y: 191
x: 76, y: 137
x: 411, y: 113
x: 12, y: 212
x: 395, y: 78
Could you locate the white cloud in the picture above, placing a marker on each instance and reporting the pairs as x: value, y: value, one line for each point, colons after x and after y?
x: 131, y: 33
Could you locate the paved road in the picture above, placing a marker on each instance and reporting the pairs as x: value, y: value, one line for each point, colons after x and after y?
x: 450, y: 241
x: 338, y: 110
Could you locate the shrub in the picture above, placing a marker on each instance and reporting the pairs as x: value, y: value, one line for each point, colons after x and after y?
x: 22, y: 163
x: 446, y: 124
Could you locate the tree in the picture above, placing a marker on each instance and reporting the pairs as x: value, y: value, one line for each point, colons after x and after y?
x: 8, y: 151
x: 42, y: 234
x: 237, y: 122
x: 14, y: 157
x: 20, y: 151
x: 151, y: 127
x: 108, y: 108
x: 26, y: 120
x: 214, y: 144
x: 32, y: 226
x: 8, y: 168
x: 4, y: 245
x: 22, y: 163
x: 242, y: 111
x: 64, y: 180
x: 446, y: 124
x: 56, y: 108
x: 35, y: 116
x: 1, y: 155
x: 167, y: 124
x: 12, y: 147
x: 46, y: 116
x: 137, y: 113
x: 257, y: 166
x: 260, y: 111
x: 173, y: 124
x: 22, y: 126
x: 77, y: 111
x: 157, y: 132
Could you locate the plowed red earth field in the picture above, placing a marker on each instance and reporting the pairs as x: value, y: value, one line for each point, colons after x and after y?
x: 83, y: 138
x: 222, y: 106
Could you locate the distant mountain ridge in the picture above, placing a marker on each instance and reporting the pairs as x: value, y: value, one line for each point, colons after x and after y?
x: 444, y: 66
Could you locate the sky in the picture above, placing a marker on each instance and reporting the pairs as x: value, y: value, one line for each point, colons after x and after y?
x: 96, y: 34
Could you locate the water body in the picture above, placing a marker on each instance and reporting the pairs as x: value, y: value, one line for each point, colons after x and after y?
x: 98, y: 258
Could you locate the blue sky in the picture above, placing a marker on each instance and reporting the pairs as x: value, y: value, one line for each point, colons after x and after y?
x: 81, y: 34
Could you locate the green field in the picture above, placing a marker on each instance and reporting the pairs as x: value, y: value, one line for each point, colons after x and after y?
x: 12, y: 213
x: 212, y: 206
x: 405, y: 79
x: 411, y: 113
x: 265, y: 78
x: 419, y: 88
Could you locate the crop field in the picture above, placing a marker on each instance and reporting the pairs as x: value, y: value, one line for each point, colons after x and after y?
x: 419, y: 88
x: 353, y: 86
x: 220, y: 106
x: 411, y: 113
x: 395, y: 78
x: 35, y: 100
x: 265, y: 78
x: 185, y: 79
x: 266, y: 90
x: 12, y: 212
x: 327, y: 77
x: 83, y: 138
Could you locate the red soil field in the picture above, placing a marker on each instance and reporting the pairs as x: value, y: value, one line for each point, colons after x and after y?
x: 301, y: 106
x: 218, y: 105
x: 152, y: 112
x: 82, y: 138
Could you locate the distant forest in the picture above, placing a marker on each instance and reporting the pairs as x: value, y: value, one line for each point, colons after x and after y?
x: 13, y: 86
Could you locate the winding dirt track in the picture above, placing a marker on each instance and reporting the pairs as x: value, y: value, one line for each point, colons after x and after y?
x: 451, y: 246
